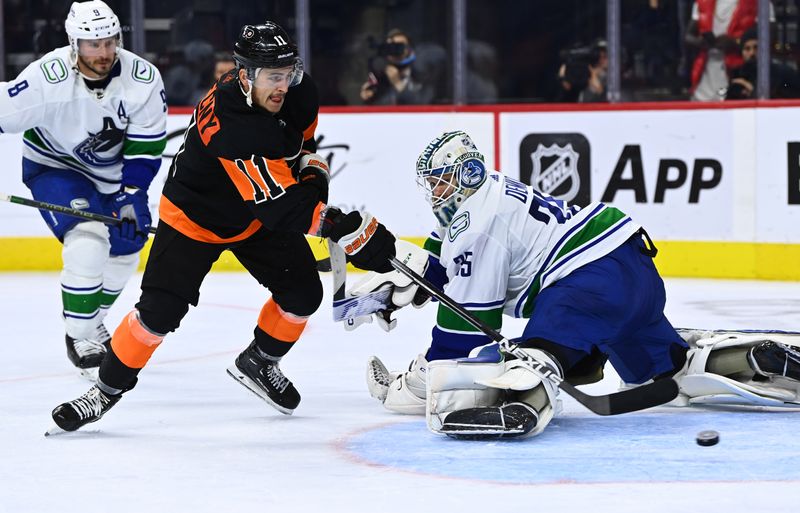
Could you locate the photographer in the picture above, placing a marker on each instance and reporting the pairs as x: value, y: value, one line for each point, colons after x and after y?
x: 714, y: 32
x: 582, y: 76
x: 393, y: 78
x: 784, y: 81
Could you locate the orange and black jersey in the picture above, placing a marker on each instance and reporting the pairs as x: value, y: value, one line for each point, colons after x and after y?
x: 232, y: 175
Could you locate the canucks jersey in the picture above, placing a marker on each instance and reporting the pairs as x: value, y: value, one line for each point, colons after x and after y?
x: 101, y: 133
x: 232, y: 174
x: 509, y: 241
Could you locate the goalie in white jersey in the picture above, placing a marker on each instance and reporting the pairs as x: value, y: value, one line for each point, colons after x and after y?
x: 586, y: 280
x: 94, y: 122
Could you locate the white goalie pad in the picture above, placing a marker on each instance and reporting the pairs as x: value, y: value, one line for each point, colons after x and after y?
x: 452, y: 386
x: 697, y: 386
x: 480, y: 381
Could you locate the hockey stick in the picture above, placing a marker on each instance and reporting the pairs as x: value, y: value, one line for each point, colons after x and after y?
x: 41, y: 205
x: 323, y: 265
x: 644, y: 396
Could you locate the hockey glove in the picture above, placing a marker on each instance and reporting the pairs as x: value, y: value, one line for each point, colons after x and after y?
x: 130, y: 205
x: 403, y: 290
x: 313, y: 169
x: 366, y: 242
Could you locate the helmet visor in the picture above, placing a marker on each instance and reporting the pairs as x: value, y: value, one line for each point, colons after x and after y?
x: 107, y: 46
x: 273, y: 78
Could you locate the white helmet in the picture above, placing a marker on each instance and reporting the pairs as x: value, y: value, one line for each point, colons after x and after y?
x: 91, y: 20
x: 449, y: 170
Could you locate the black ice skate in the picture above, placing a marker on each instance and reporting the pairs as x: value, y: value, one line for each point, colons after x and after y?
x: 89, y: 407
x: 773, y: 359
x: 85, y: 354
x: 507, y: 421
x: 262, y: 376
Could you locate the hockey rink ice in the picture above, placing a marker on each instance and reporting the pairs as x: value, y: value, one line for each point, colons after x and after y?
x: 190, y: 439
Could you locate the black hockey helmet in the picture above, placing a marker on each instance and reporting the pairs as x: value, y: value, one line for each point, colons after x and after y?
x: 264, y: 46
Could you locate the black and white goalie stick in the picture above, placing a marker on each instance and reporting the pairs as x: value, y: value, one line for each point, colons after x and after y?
x: 644, y: 396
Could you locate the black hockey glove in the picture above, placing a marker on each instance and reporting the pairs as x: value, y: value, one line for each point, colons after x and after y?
x: 313, y: 169
x: 366, y: 242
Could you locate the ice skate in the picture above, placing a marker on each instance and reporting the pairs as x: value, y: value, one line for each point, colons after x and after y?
x: 261, y: 375
x: 86, y: 355
x: 89, y: 407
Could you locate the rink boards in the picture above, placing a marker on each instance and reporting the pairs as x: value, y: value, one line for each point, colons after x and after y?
x: 717, y: 187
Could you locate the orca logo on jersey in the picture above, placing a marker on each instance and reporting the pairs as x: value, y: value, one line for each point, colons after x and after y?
x: 105, y: 141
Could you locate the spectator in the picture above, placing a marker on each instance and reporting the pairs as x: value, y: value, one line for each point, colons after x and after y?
x: 223, y: 64
x: 784, y: 81
x: 393, y: 77
x: 714, y: 31
x: 582, y: 76
x: 186, y: 82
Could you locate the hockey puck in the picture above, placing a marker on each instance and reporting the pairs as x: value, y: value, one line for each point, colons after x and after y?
x: 707, y: 438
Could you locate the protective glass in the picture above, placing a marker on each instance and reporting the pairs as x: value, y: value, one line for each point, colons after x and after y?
x: 272, y: 78
x: 98, y: 47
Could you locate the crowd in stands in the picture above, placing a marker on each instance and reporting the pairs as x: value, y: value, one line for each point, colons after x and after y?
x: 709, y: 56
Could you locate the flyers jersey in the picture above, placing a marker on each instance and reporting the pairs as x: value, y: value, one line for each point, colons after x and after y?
x: 231, y: 176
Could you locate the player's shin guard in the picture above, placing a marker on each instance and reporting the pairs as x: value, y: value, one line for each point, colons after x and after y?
x: 132, y: 345
x: 84, y: 256
x: 116, y: 273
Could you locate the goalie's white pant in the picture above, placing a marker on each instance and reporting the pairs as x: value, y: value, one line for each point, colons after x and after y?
x: 699, y: 386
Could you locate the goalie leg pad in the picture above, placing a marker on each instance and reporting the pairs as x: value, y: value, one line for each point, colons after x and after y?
x: 698, y: 386
x: 507, y: 421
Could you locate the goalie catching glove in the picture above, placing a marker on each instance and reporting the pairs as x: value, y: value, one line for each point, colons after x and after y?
x: 402, y: 290
x: 366, y: 242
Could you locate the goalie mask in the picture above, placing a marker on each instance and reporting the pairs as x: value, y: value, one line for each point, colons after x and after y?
x: 261, y: 48
x: 449, y: 170
x: 94, y: 24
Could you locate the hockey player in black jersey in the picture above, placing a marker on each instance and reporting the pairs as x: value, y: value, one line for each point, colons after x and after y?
x: 245, y: 180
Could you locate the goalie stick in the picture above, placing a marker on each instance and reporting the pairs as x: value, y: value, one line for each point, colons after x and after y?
x: 349, y: 308
x: 644, y: 396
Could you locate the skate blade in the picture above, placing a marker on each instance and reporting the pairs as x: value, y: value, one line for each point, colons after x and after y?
x: 248, y: 384
x: 54, y: 431
x: 89, y: 374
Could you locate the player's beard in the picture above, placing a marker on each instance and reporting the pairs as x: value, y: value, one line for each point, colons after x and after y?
x: 99, y: 68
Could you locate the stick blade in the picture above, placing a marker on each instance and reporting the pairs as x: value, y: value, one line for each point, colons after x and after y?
x: 635, y: 399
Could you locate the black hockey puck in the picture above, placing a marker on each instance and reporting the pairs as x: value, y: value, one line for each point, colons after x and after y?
x: 707, y: 438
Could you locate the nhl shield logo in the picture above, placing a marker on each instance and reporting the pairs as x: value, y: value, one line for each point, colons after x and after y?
x: 557, y: 164
x: 554, y: 166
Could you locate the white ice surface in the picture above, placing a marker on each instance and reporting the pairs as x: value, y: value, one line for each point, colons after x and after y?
x: 189, y: 438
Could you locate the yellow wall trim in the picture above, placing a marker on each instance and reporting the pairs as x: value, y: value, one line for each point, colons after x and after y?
x: 675, y: 258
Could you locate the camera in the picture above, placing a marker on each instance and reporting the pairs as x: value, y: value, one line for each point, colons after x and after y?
x: 386, y: 49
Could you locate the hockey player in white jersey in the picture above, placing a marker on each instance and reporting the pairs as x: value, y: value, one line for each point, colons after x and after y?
x: 94, y: 121
x: 585, y: 279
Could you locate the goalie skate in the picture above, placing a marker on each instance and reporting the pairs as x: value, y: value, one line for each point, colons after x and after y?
x: 507, y: 421
x: 378, y: 378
